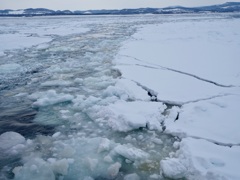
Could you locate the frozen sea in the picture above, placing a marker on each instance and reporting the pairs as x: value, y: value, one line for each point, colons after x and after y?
x: 138, y: 97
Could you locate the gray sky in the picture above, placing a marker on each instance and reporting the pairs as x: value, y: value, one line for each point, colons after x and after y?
x: 102, y: 4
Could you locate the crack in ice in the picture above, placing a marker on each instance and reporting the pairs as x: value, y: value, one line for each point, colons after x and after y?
x: 177, y: 71
x: 216, y: 142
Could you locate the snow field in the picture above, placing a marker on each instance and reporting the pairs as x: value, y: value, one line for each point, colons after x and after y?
x: 192, y: 63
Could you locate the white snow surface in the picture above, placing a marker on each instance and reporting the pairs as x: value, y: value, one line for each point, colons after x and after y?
x: 126, y: 116
x: 216, y: 120
x: 210, y: 160
x: 193, y: 63
x: 208, y: 48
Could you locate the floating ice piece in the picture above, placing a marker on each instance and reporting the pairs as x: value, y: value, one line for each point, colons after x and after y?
x: 157, y: 141
x: 60, y: 167
x: 50, y: 97
x: 133, y: 176
x: 173, y: 168
x: 104, y: 145
x: 83, y: 103
x: 124, y: 116
x: 97, y: 83
x: 92, y: 163
x: 36, y: 169
x: 130, y: 153
x: 57, y: 83
x: 57, y: 134
x: 113, y: 170
x: 126, y: 90
x: 10, y: 139
x: 11, y: 68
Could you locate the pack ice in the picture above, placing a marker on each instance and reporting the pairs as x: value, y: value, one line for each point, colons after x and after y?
x: 120, y: 97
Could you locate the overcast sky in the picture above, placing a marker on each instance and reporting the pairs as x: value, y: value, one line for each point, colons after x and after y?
x: 102, y: 4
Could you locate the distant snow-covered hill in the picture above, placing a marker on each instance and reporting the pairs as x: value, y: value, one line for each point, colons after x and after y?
x: 226, y: 7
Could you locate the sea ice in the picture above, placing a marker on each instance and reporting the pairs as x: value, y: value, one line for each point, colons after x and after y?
x: 9, y: 140
x: 204, y: 47
x: 130, y: 153
x: 34, y: 169
x: 124, y: 116
x: 107, y: 125
x: 133, y: 176
x: 11, y: 68
x: 215, y: 119
x: 126, y: 90
x: 49, y: 98
x: 173, y: 168
x: 170, y: 86
x: 193, y: 63
x: 208, y: 160
x: 26, y: 34
x: 56, y: 83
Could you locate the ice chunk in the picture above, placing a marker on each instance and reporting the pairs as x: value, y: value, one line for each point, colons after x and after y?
x: 173, y: 168
x: 130, y: 153
x: 10, y: 139
x: 104, y: 145
x: 157, y: 141
x: 50, y: 97
x: 67, y: 152
x: 55, y: 135
x: 124, y: 116
x: 108, y: 159
x: 133, y: 176
x: 81, y: 102
x: 60, y: 167
x: 11, y: 68
x: 113, y: 170
x: 36, y: 169
x: 126, y: 90
x: 57, y: 83
x: 92, y: 163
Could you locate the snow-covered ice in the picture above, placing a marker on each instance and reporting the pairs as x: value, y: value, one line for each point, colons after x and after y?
x: 215, y: 120
x: 206, y: 47
x: 124, y: 116
x: 204, y: 160
x: 192, y: 63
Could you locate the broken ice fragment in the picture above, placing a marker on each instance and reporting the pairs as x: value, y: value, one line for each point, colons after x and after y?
x: 173, y: 168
